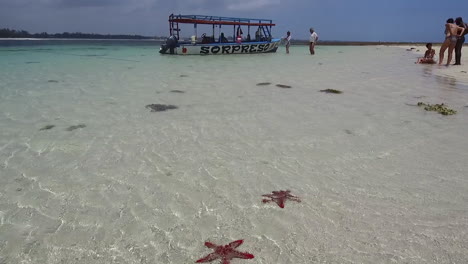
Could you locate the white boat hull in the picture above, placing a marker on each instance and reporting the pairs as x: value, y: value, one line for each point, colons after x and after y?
x: 227, y: 48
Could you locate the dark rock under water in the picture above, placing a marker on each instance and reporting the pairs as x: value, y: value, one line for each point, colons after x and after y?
x: 71, y: 128
x: 177, y: 91
x: 283, y: 86
x: 47, y: 127
x: 263, y: 84
x: 331, y: 91
x: 160, y: 107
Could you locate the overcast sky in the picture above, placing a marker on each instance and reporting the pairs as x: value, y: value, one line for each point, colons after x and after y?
x: 360, y: 20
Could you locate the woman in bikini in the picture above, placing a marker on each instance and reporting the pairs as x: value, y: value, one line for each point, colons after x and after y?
x: 428, y: 56
x: 451, y: 37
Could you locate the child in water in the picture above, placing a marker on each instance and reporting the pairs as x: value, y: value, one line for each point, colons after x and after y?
x: 428, y: 56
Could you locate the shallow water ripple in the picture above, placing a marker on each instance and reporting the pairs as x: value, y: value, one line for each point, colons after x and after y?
x: 379, y: 180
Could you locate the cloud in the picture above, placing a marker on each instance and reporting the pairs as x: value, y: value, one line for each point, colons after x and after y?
x: 192, y: 6
x: 76, y: 3
x: 249, y: 5
x: 100, y: 3
x: 120, y: 16
x: 86, y: 3
x: 201, y: 6
x: 22, y: 3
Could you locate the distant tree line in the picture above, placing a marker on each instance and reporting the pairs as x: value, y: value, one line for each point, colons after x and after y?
x: 11, y: 33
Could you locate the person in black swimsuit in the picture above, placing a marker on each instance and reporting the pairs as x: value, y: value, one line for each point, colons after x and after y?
x: 460, y: 40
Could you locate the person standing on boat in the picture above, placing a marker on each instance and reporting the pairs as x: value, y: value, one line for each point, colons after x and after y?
x: 258, y: 34
x: 287, y: 39
x: 222, y: 38
x: 239, y: 35
x: 313, y: 40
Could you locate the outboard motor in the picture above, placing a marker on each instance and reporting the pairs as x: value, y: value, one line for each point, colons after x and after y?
x: 171, y: 44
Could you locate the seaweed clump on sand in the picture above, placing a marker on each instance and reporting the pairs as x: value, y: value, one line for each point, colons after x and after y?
x: 263, y: 83
x: 47, y: 127
x: 283, y: 86
x: 160, y: 107
x: 331, y: 91
x: 71, y: 128
x: 440, y: 108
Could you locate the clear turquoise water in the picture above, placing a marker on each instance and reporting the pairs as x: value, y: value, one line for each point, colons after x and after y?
x: 380, y: 180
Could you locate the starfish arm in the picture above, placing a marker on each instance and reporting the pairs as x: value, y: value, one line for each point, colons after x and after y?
x: 236, y: 244
x: 292, y: 197
x: 210, y: 245
x: 208, y: 258
x: 268, y: 195
x: 242, y: 255
x: 280, y: 203
x: 225, y: 261
x: 296, y: 199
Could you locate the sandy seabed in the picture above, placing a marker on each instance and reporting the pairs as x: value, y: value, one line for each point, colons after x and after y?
x: 88, y: 174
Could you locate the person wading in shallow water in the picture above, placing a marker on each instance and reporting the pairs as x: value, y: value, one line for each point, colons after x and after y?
x: 287, y: 39
x: 461, y: 40
x: 312, y: 41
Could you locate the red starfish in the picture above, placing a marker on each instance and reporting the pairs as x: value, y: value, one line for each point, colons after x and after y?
x: 280, y: 197
x: 225, y: 253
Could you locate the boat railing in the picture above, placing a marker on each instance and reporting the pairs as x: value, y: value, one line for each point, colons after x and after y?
x: 196, y: 18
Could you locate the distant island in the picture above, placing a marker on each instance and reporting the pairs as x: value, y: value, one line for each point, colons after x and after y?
x: 11, y: 33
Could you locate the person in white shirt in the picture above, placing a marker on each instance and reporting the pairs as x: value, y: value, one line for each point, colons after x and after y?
x: 313, y: 40
x: 288, y: 41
